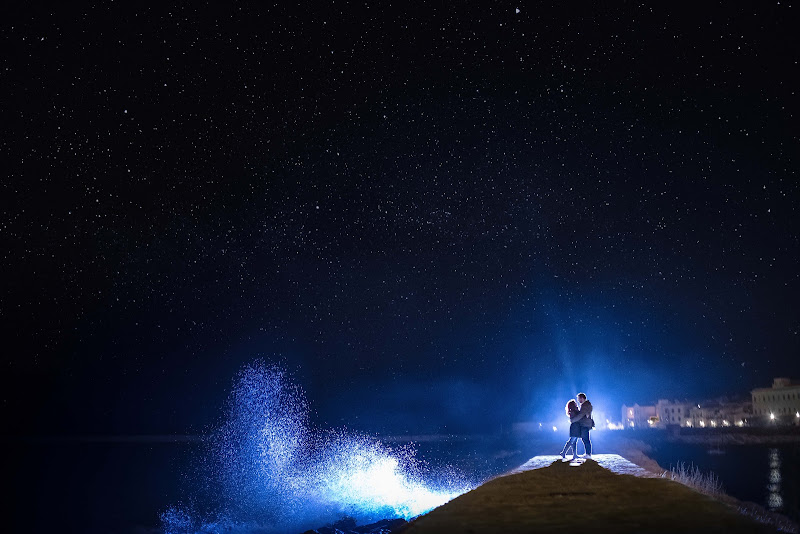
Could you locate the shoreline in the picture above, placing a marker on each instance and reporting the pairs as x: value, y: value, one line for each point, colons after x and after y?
x: 734, y: 439
x: 716, y: 436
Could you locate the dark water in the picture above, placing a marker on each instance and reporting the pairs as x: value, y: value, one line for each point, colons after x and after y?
x: 94, y: 487
x: 766, y: 475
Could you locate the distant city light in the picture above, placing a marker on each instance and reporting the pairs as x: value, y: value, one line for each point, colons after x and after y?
x: 772, y: 417
x: 632, y: 424
x: 555, y: 429
x: 689, y: 424
x: 702, y: 423
x: 797, y: 414
x: 725, y: 423
x: 614, y: 426
x: 714, y: 424
x: 740, y: 423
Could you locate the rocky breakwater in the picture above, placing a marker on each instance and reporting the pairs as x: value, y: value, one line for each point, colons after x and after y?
x: 550, y: 495
x: 348, y: 526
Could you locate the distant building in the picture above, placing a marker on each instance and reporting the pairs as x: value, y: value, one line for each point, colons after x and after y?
x: 738, y: 413
x: 778, y: 404
x: 714, y: 414
x: 674, y: 413
x: 639, y: 416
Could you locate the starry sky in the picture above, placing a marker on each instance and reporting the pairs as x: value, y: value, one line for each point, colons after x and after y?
x: 436, y: 217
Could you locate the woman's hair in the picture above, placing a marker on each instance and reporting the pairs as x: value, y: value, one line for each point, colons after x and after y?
x: 571, y: 408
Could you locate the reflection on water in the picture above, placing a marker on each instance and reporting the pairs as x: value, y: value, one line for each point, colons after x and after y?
x: 774, y: 498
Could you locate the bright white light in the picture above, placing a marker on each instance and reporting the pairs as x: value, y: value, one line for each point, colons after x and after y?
x: 740, y: 423
x: 702, y: 423
x: 772, y: 417
x: 555, y: 429
x: 797, y: 414
x: 364, y: 477
x: 613, y: 426
x: 689, y: 424
x: 725, y: 422
x: 631, y: 424
x: 714, y: 424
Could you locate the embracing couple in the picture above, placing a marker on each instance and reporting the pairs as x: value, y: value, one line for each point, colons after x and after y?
x: 580, y: 417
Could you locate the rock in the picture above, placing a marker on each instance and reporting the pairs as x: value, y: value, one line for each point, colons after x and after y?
x: 384, y: 526
x: 348, y: 526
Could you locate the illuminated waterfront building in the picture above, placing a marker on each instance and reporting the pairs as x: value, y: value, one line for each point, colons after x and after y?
x: 779, y: 404
x: 638, y: 416
x: 674, y: 413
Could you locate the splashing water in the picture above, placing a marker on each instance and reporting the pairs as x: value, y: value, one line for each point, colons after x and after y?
x: 269, y: 471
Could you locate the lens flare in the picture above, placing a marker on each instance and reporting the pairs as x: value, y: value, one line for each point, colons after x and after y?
x: 267, y: 470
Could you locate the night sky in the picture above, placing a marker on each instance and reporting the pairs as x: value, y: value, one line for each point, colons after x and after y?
x: 437, y: 218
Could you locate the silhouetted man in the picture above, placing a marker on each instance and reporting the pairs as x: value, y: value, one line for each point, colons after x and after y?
x: 586, y: 422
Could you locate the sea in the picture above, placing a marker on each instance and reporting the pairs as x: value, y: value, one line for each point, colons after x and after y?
x: 122, y: 484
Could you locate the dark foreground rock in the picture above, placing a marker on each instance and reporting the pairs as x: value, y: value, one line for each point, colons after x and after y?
x: 348, y: 526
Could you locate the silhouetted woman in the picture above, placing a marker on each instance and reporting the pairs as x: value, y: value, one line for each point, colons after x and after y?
x: 574, y: 429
